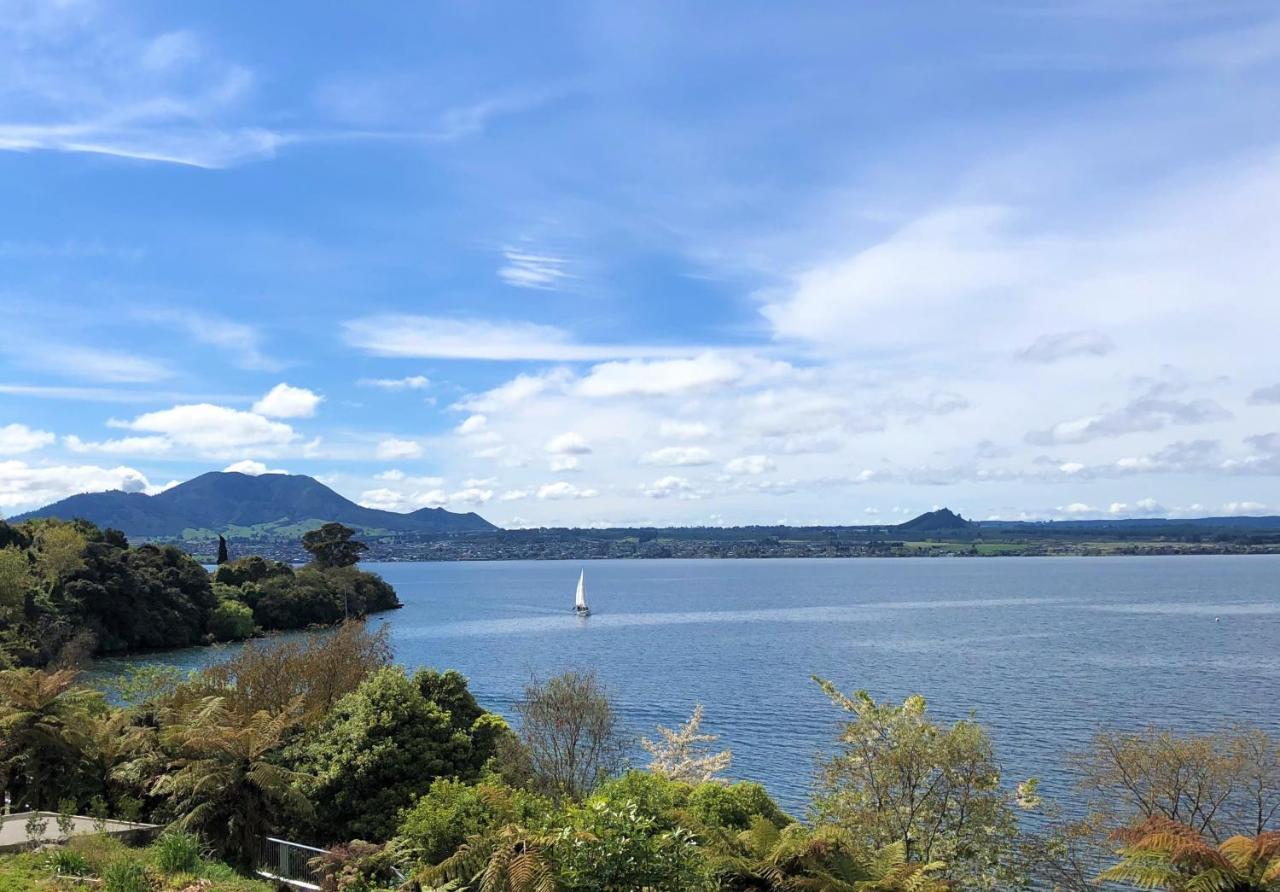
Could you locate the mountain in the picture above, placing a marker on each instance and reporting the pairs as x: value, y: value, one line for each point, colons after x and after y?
x: 944, y: 520
x: 220, y: 501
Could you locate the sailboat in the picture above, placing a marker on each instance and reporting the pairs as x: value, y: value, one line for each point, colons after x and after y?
x: 580, y: 599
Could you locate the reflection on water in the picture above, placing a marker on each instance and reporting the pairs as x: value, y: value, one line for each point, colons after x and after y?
x: 1044, y: 650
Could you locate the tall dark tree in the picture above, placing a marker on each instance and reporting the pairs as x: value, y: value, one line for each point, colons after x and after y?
x: 223, y: 557
x: 331, y: 546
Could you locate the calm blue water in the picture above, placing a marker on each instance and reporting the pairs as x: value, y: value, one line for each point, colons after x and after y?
x: 1042, y: 649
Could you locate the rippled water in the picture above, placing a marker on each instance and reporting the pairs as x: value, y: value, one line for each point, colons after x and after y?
x: 1042, y: 649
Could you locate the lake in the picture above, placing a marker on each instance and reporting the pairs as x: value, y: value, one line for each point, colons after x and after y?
x: 1043, y: 650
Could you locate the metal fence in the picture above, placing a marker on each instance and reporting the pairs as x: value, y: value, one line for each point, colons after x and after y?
x: 289, y: 862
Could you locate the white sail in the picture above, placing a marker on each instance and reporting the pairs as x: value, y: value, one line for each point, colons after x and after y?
x: 580, y: 601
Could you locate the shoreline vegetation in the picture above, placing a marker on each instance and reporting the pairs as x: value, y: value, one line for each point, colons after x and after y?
x: 70, y: 592
x: 407, y: 783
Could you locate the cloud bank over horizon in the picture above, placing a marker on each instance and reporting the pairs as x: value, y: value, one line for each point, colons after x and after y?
x: 830, y: 270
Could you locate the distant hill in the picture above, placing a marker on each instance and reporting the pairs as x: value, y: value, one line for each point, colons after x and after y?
x: 228, y: 502
x: 944, y: 520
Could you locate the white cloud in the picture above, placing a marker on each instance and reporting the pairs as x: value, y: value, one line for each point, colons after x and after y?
x: 564, y: 463
x: 514, y: 495
x: 24, y: 486
x: 659, y: 377
x: 564, y: 490
x: 413, y: 382
x: 472, y: 424
x: 285, y: 401
x: 674, y: 456
x: 392, y: 448
x: 683, y: 430
x: 1244, y: 508
x: 671, y: 487
x: 239, y: 339
x: 121, y: 446
x: 434, y: 337
x: 95, y: 364
x: 213, y: 430
x: 528, y: 269
x: 750, y: 464
x: 471, y: 496
x: 568, y: 443
x: 252, y: 468
x: 16, y: 439
x: 515, y: 392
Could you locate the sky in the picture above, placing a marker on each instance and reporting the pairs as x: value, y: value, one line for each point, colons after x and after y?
x: 628, y: 264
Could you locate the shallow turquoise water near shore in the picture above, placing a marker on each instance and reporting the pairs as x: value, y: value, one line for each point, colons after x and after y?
x: 1043, y: 650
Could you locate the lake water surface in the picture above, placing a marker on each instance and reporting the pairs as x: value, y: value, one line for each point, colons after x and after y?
x: 1043, y: 650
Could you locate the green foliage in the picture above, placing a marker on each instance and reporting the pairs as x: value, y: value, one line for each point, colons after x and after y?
x: 222, y: 779
x: 125, y: 875
x: 897, y: 777
x: 177, y: 852
x: 570, y: 730
x: 231, y: 621
x: 332, y: 546
x: 45, y: 726
x: 379, y: 747
x: 452, y: 812
x: 620, y: 848
x: 734, y: 806
x: 68, y: 862
x: 69, y: 591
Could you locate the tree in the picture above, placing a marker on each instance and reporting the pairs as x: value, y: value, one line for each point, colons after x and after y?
x: 332, y: 546
x: 223, y: 556
x: 381, y: 746
x: 1162, y: 854
x: 683, y: 755
x: 570, y: 730
x: 1211, y: 783
x: 318, y: 671
x: 898, y: 778
x: 223, y: 781
x: 45, y: 721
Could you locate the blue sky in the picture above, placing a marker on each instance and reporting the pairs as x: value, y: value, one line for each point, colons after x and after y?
x: 600, y: 263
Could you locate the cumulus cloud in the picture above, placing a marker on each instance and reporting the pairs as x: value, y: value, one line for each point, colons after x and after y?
x: 750, y: 464
x: 1054, y: 347
x: 568, y: 443
x: 675, y: 456
x: 252, y: 468
x: 472, y: 424
x: 393, y: 448
x: 16, y: 439
x: 213, y: 430
x: 24, y: 486
x: 562, y: 489
x: 285, y: 401
x: 671, y: 487
x: 563, y: 463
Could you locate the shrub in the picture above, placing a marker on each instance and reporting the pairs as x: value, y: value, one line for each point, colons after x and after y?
x: 177, y: 852
x: 734, y: 806
x: 231, y: 621
x: 442, y: 820
x: 68, y: 862
x: 125, y: 875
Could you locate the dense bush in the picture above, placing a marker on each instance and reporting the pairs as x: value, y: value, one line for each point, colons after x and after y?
x: 69, y: 591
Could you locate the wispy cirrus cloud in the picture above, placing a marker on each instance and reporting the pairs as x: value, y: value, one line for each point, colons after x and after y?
x: 435, y: 337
